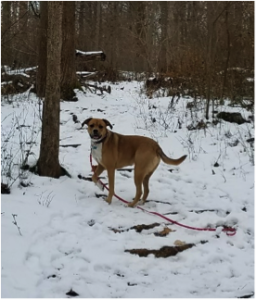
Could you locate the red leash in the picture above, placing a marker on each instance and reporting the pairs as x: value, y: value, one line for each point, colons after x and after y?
x: 229, y: 230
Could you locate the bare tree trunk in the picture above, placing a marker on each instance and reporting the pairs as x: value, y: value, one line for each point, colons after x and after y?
x: 90, y: 16
x: 209, y: 57
x: 42, y: 51
x: 97, y: 25
x: 68, y: 68
x: 137, y: 16
x: 163, y: 42
x: 1, y: 33
x: 228, y: 56
x: 1, y: 17
x: 48, y: 162
x: 6, y: 36
x: 113, y: 24
x: 81, y: 23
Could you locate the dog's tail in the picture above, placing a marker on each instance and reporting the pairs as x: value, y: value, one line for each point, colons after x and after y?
x: 170, y: 161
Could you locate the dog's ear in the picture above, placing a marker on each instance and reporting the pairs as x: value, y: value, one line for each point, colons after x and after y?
x: 86, y: 121
x: 107, y: 123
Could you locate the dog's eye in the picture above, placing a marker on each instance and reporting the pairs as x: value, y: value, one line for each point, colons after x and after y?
x: 100, y: 126
x: 92, y: 125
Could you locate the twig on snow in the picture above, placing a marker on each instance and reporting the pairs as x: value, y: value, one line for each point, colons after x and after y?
x: 16, y: 224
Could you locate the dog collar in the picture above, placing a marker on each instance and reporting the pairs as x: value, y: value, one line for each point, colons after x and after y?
x: 100, y: 141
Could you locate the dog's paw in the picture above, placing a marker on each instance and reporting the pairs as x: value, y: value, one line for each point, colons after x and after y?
x: 100, y: 185
x: 108, y: 200
x: 131, y: 204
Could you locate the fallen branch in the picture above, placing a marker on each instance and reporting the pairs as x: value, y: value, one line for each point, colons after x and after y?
x: 137, y: 228
x: 101, y: 89
x: 15, y: 223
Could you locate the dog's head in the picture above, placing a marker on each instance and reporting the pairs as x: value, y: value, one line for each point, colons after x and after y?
x: 97, y: 128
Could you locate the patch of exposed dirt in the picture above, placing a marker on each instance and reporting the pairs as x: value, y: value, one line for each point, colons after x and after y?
x: 165, y: 251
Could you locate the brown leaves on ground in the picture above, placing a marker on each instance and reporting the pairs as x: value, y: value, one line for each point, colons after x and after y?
x: 137, y: 228
x: 141, y: 227
x: 164, y: 232
x: 165, y: 251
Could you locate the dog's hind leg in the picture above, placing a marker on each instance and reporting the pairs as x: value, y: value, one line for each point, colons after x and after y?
x: 138, y: 179
x: 145, y: 185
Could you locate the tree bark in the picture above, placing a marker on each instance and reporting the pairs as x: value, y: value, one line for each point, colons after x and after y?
x: 42, y: 51
x: 209, y: 57
x: 228, y: 55
x: 82, y: 25
x: 68, y: 67
x: 48, y: 162
x: 6, y: 33
x: 163, y: 42
x: 97, y: 24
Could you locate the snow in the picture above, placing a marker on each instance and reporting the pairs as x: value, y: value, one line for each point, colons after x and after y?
x: 66, y: 240
x: 6, y: 82
x: 89, y: 52
x: 250, y: 79
x: 85, y: 73
x: 19, y: 71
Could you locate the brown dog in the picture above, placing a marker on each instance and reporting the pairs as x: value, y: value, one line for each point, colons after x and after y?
x: 113, y: 151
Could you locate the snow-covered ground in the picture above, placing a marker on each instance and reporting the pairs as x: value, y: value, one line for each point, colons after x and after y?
x: 63, y: 240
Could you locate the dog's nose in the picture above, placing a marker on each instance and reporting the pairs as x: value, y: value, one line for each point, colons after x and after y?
x: 95, y: 131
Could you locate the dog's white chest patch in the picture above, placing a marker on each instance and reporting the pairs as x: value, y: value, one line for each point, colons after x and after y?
x: 97, y: 151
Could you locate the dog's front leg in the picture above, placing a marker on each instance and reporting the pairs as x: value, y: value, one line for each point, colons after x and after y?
x: 111, y: 183
x: 97, y: 172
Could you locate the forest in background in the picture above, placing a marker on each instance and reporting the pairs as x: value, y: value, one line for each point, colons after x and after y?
x: 204, y: 47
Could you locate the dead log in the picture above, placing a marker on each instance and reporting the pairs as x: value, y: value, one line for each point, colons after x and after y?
x: 232, y: 117
x: 17, y: 81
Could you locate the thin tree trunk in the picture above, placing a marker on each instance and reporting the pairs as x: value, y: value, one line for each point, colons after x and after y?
x: 210, y: 28
x: 1, y: 34
x: 81, y: 43
x: 163, y: 42
x: 68, y: 67
x: 227, y: 58
x: 113, y: 24
x: 48, y: 162
x: 6, y: 33
x: 42, y: 53
x: 97, y: 25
